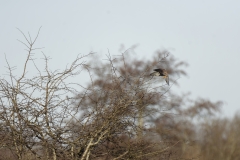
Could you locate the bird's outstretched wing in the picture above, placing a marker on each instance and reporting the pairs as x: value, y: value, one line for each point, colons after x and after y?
x: 155, y: 74
x: 159, y: 70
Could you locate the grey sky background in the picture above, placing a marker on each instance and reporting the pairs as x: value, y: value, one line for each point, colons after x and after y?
x: 204, y: 33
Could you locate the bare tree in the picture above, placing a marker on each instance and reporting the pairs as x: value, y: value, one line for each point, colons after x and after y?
x: 220, y: 138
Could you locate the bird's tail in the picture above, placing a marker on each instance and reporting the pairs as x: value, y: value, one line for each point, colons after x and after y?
x: 167, y: 79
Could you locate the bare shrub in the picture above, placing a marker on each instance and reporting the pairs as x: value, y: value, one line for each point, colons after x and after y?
x: 122, y: 113
x: 35, y: 111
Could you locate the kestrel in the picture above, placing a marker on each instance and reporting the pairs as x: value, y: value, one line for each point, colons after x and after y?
x: 161, y: 72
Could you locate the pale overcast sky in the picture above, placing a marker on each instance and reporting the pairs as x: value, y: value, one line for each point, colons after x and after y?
x: 204, y: 33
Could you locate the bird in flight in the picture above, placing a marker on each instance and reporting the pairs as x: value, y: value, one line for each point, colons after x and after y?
x: 161, y: 72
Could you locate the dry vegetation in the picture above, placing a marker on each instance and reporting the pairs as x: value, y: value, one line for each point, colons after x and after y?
x: 122, y: 113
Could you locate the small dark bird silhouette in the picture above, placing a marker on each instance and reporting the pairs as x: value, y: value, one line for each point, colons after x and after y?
x: 161, y: 72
